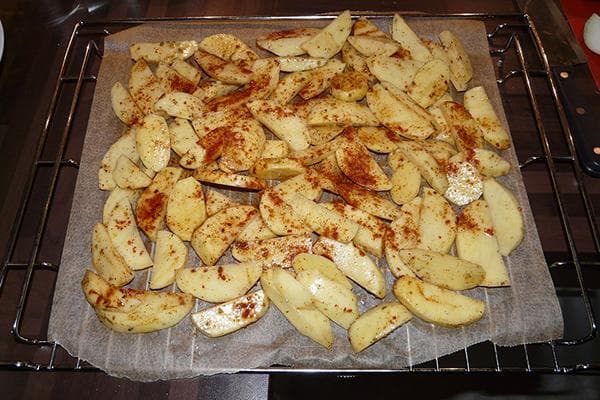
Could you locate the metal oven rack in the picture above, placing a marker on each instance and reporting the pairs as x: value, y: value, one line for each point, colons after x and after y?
x: 29, y: 269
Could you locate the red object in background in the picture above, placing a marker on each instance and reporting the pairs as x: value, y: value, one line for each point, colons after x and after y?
x: 577, y: 12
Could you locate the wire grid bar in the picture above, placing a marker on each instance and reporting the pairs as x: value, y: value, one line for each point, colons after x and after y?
x: 101, y: 29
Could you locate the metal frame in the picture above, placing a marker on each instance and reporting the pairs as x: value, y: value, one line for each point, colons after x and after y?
x: 515, y: 26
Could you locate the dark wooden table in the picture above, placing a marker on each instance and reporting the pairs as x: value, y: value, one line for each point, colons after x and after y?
x: 36, y: 33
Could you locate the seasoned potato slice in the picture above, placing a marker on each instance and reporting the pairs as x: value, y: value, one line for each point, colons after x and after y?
x: 354, y: 60
x: 279, y: 216
x: 170, y: 254
x: 505, y: 212
x: 437, y: 224
x: 362, y: 26
x: 275, y: 252
x: 349, y: 86
x: 124, y: 106
x: 312, y: 262
x: 403, y: 34
x: 461, y: 70
x: 219, y: 231
x: 144, y: 86
x: 153, y: 142
x: 318, y: 153
x: 373, y: 46
x: 277, y: 168
x: 210, y: 89
x: 242, y: 145
x: 377, y: 323
x: 286, y: 43
x: 227, y: 47
x: 219, y: 283
x: 329, y: 41
x: 433, y: 173
x: 319, y: 79
x: 479, y: 106
x: 231, y: 180
x: 180, y: 105
x: 230, y: 72
x: 396, y: 71
x: 489, y: 163
x: 124, y: 146
x: 115, y: 196
x: 294, y: 64
x: 406, y: 181
x: 339, y: 112
x: 282, y: 122
x: 216, y: 202
x: 173, y: 81
x: 163, y: 51
x: 355, y: 161
x: 437, y: 305
x: 289, y: 86
x: 464, y: 129
x: 256, y: 230
x: 443, y: 270
x: 378, y: 139
x: 476, y: 242
x: 318, y: 135
x: 430, y: 83
x: 403, y: 233
x: 232, y: 316
x: 107, y: 261
x: 186, y: 209
x: 275, y: 149
x: 187, y: 71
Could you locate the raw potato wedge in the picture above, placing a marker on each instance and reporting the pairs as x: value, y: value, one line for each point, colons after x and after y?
x: 277, y: 168
x: 376, y: 323
x: 437, y: 305
x: 355, y: 264
x: 318, y: 153
x: 464, y: 181
x: 319, y: 79
x: 229, y: 72
x: 339, y: 112
x: 296, y: 304
x: 396, y: 71
x: 397, y: 115
x: 114, y: 197
x: 409, y: 103
x: 437, y: 223
x: 373, y: 46
x: 278, y: 215
x: 242, y: 145
x: 294, y: 64
x: 318, y: 135
x: 256, y: 230
x: 143, y: 311
x: 172, y: 81
x: 275, y: 252
x: 216, y: 202
x: 184, y: 143
x: 362, y: 26
x: 403, y: 34
x: 180, y: 105
x: 476, y: 242
x: 406, y: 181
x: 125, y: 236
x: 186, y: 209
x: 107, y: 261
x: 231, y: 180
x: 124, y: 146
x: 187, y: 71
x: 286, y: 43
x: 354, y: 60
x: 153, y: 142
x: 170, y: 254
x: 227, y: 47
x: 479, y: 106
x: 440, y: 150
x: 349, y: 86
x: 275, y: 149
x: 226, y: 318
x: 310, y: 185
x: 443, y: 270
x: 506, y: 215
x: 124, y: 106
x: 461, y: 70
x: 329, y: 41
x: 219, y: 231
x: 151, y: 207
x: 355, y: 161
x: 464, y: 129
x: 282, y: 122
x: 127, y: 175
x: 430, y: 83
x: 144, y: 87
x: 371, y: 230
x: 403, y: 233
x: 489, y: 163
x: 433, y: 173
x: 378, y: 139
x: 312, y: 262
x: 334, y: 300
x: 289, y: 86
x: 163, y: 51
x: 219, y: 283
x: 210, y: 89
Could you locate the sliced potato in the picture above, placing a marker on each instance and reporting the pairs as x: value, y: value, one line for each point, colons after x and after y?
x: 355, y: 161
x: 329, y: 41
x: 319, y: 79
x: 180, y: 105
x: 289, y: 86
x: 256, y: 230
x: 464, y: 181
x: 277, y: 168
x: 437, y: 224
x: 506, y: 215
x: 398, y: 72
x: 151, y: 208
x: 115, y: 196
x: 219, y: 231
x: 107, y: 261
x: 409, y: 103
x: 437, y: 305
x: 403, y: 233
x: 489, y: 163
x: 144, y: 87
x: 125, y: 236
x: 170, y: 254
x: 242, y: 145
x: 362, y: 26
x: 373, y: 46
x: 216, y: 202
x: 377, y: 323
x: 310, y: 185
x: 127, y: 175
x: 279, y: 216
x: 286, y: 43
x: 182, y: 136
x: 275, y: 252
x: 296, y: 304
x: 186, y: 209
x: 312, y: 262
x: 219, y: 283
x: 476, y: 242
x: 294, y: 64
x: 210, y: 89
x: 354, y: 60
x: 479, y: 106
x: 143, y: 311
x: 338, y: 112
x: 406, y: 181
x: 275, y: 149
x: 430, y: 169
x: 318, y: 153
x: 231, y: 180
x: 124, y: 106
x: 378, y: 139
x: 349, y: 86
x: 153, y: 142
x: 355, y: 264
x: 163, y: 51
x: 173, y: 81
x: 230, y: 72
x: 227, y: 47
x: 403, y: 34
x: 187, y: 71
x: 232, y: 316
x: 461, y: 70
x: 319, y: 135
x: 440, y: 150
x: 443, y: 270
x: 464, y: 129
x: 124, y: 146
x: 282, y: 122
x: 430, y: 83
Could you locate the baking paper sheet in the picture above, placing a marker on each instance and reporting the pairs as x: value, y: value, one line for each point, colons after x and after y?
x: 526, y: 312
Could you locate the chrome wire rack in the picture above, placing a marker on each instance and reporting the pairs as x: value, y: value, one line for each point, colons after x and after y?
x: 544, y: 145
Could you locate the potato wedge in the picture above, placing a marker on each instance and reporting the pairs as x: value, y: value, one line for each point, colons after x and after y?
x: 180, y: 105
x: 231, y: 180
x: 339, y: 112
x: 223, y: 319
x: 275, y: 252
x: 216, y: 202
x: 319, y: 135
x: 403, y: 233
x: 437, y: 224
x: 210, y: 89
x: 430, y: 83
x: 378, y: 139
x: 186, y: 209
x: 362, y: 26
x: 329, y: 41
x: 476, y: 242
x: 318, y: 153
x: 296, y: 304
x: 433, y: 173
x: 182, y: 136
x: 106, y: 260
x: 170, y: 254
x: 464, y: 129
x: 282, y: 122
x: 124, y: 146
x: 409, y: 103
x: 355, y: 161
x: 319, y: 79
x: 173, y: 81
x: 294, y: 64
x: 230, y: 72
x: 279, y: 216
x: 256, y: 230
x: 163, y: 51
x: 373, y: 46
x: 227, y: 47
x: 406, y: 181
x: 311, y: 262
x: 461, y: 70
x: 478, y: 104
x: 275, y: 149
x: 187, y: 71
x: 219, y: 283
x: 115, y: 196
x: 289, y: 86
x: 464, y: 181
x: 443, y: 270
x: 125, y: 236
x: 489, y: 163
x: 242, y: 145
x: 354, y: 60
x: 403, y: 34
x: 506, y: 216
x: 376, y: 323
x: 153, y: 142
x: 277, y: 168
x: 349, y: 86
x: 398, y: 72
x: 355, y: 264
x: 437, y: 305
x: 309, y: 184
x: 127, y: 175
x: 337, y: 302
x: 142, y: 312
x: 124, y: 106
x: 286, y: 43
x: 440, y: 150
x: 219, y: 231
x: 144, y: 86
x: 151, y: 208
